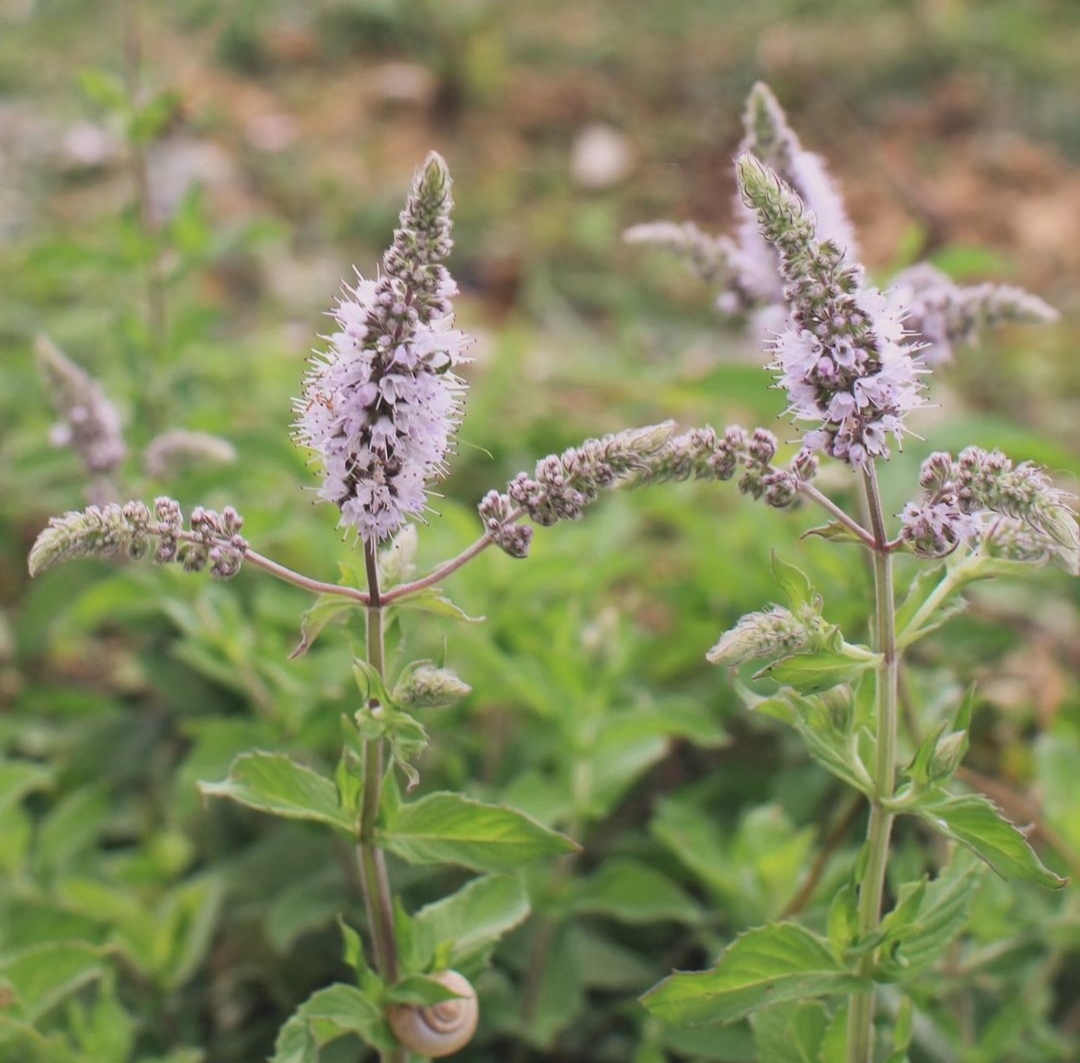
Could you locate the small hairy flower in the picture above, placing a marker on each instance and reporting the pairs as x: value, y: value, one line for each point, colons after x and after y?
x: 842, y: 359
x: 945, y: 315
x: 129, y: 532
x: 169, y: 453
x: 89, y: 423
x: 981, y: 495
x: 378, y: 410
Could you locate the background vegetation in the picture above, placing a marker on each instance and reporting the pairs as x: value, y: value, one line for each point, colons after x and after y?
x: 183, y: 184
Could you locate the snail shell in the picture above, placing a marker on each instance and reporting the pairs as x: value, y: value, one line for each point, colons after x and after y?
x: 439, y: 1029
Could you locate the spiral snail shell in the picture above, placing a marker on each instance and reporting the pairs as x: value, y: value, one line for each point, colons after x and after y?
x: 439, y: 1029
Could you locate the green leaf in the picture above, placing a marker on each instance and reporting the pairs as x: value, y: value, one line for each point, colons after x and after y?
x: 271, y: 782
x: 43, y: 975
x: 447, y: 828
x: 790, y: 1033
x: 811, y: 672
x: 186, y: 922
x: 827, y: 727
x: 974, y: 821
x: 763, y: 966
x: 915, y: 934
x: 327, y: 1015
x: 922, y: 587
x: 834, y: 532
x: 328, y: 609
x: 796, y: 587
x: 432, y: 600
x: 633, y: 892
x: 469, y: 921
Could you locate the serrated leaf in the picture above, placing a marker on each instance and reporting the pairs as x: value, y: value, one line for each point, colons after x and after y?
x: 811, y: 672
x: 764, y: 966
x: 328, y: 609
x: 974, y: 821
x: 928, y: 917
x: 632, y: 892
x: 326, y: 1015
x: 273, y: 783
x: 795, y: 585
x: 470, y: 920
x: 827, y: 734
x: 448, y: 828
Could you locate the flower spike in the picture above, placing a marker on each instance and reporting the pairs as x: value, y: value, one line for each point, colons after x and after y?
x: 379, y: 409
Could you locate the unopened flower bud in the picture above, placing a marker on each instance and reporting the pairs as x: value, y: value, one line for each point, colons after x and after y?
x: 428, y: 687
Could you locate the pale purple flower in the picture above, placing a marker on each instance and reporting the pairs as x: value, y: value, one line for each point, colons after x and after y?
x: 89, y: 423
x: 380, y: 406
x: 746, y: 265
x: 945, y: 315
x: 842, y: 359
x: 981, y: 495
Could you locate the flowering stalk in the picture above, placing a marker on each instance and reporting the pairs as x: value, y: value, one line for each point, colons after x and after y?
x: 379, y: 408
x: 846, y: 368
x: 860, y: 1044
x: 378, y: 900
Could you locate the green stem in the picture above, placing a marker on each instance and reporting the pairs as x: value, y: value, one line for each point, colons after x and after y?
x: 872, y: 886
x: 378, y: 900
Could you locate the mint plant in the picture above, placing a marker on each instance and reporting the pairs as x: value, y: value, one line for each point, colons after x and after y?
x: 377, y: 413
x: 851, y: 360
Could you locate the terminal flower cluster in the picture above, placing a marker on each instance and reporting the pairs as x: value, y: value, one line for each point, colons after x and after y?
x: 378, y: 410
x: 940, y: 314
x: 843, y: 357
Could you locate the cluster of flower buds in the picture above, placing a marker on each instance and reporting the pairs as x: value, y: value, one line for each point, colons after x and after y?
x: 701, y: 454
x: 130, y: 531
x: 776, y: 632
x: 1014, y: 510
x: 945, y: 315
x: 564, y: 484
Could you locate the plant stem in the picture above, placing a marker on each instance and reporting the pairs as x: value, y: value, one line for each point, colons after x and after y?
x: 315, y: 586
x: 378, y: 900
x: 830, y: 507
x: 860, y: 1041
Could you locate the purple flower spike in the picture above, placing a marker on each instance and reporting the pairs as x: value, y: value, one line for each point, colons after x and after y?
x: 842, y: 359
x: 380, y: 407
